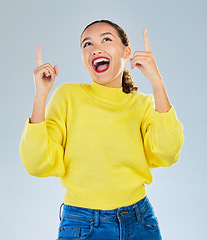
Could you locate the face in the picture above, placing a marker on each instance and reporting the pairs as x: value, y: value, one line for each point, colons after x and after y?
x: 102, y: 40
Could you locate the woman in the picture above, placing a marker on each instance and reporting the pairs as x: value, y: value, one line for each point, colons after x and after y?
x: 103, y: 138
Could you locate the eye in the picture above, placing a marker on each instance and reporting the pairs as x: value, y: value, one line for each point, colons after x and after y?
x: 85, y: 44
x: 107, y: 38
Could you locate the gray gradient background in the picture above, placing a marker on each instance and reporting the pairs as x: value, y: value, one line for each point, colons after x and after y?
x: 177, y: 35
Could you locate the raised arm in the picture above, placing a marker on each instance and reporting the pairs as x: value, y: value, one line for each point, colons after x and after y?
x: 145, y: 61
x: 44, y: 77
x: 161, y: 130
x: 43, y: 138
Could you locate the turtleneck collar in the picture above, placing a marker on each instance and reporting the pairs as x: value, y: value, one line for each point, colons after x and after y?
x: 108, y: 94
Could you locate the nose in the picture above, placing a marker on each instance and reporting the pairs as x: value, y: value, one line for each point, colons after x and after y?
x: 97, y: 49
x: 95, y: 52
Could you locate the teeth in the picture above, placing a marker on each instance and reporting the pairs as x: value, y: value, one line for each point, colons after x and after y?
x: 100, y: 60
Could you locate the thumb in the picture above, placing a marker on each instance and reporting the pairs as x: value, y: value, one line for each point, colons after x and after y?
x: 56, y: 69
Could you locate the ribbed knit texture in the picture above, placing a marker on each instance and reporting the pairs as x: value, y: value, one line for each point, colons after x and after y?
x: 102, y: 142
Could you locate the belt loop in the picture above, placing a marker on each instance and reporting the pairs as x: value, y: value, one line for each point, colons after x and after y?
x: 60, y: 213
x: 97, y: 218
x: 137, y: 212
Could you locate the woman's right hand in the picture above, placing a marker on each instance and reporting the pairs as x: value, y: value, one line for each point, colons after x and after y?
x: 43, y: 81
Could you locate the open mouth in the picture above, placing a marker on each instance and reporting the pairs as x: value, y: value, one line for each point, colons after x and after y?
x: 101, y: 64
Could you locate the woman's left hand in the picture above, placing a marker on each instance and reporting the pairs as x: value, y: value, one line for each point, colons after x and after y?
x: 145, y: 61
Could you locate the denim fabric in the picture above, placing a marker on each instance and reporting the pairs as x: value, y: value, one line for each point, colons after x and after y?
x: 134, y: 222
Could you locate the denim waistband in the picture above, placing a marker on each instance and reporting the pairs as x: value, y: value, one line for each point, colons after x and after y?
x: 91, y: 214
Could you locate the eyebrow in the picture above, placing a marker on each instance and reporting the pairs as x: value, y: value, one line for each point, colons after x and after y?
x: 100, y: 35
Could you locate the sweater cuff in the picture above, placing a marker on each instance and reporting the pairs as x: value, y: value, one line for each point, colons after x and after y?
x: 35, y: 131
x: 166, y: 121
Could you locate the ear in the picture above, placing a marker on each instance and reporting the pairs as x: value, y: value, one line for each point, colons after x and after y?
x: 84, y: 66
x: 127, y: 52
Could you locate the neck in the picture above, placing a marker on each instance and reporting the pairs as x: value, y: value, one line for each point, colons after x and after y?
x: 115, y: 83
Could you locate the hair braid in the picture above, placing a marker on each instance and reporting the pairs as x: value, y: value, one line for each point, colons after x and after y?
x: 127, y: 82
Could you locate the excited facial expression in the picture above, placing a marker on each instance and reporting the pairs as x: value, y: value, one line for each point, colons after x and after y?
x: 100, y: 42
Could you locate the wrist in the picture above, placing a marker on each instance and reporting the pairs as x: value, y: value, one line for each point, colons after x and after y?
x: 40, y: 97
x: 157, y: 84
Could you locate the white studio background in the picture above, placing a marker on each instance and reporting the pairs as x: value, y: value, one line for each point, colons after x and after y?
x: 177, y: 35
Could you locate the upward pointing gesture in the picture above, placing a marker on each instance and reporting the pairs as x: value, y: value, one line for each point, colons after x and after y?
x: 145, y: 61
x: 38, y: 56
x: 44, y: 75
x: 146, y: 41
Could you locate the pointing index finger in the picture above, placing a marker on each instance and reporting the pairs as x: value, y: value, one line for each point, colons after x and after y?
x: 38, y: 56
x: 146, y: 41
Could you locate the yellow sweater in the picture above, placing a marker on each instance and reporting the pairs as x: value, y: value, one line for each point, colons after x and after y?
x: 102, y: 142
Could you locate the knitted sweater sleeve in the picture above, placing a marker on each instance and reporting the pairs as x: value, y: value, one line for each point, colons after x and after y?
x: 42, y: 144
x: 162, y: 136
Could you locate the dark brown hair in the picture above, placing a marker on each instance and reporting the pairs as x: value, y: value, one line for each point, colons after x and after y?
x: 127, y: 81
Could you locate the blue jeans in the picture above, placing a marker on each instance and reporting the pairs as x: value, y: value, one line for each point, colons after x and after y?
x: 134, y: 222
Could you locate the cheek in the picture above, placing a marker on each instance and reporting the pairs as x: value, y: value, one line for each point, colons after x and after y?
x: 85, y: 59
x: 118, y: 59
x: 117, y: 53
